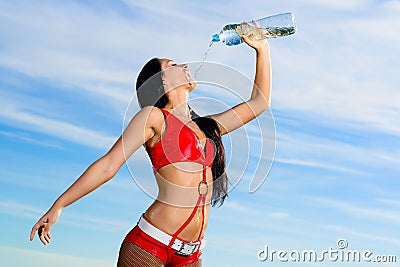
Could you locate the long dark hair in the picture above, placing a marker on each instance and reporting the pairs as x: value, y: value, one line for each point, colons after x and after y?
x: 150, y: 92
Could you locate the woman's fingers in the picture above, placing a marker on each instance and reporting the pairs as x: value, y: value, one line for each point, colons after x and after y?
x: 37, y: 227
x: 43, y: 226
x: 255, y: 23
x: 47, y: 238
x: 43, y: 229
x: 44, y: 234
x: 33, y: 231
x: 256, y: 44
x: 245, y: 37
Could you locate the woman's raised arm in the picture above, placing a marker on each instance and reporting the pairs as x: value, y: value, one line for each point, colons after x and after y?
x: 140, y: 129
x: 259, y: 101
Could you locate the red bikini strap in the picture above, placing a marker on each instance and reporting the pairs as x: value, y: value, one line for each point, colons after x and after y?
x: 202, y: 219
x: 202, y: 200
x: 175, y: 235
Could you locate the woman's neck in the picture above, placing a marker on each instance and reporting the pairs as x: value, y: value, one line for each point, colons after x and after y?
x: 178, y: 104
x: 182, y: 110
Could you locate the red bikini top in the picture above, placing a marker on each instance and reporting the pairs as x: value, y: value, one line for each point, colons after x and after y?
x: 179, y: 143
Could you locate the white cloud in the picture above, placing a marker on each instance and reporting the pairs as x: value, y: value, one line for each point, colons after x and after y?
x: 99, y: 52
x: 87, y: 221
x: 70, y: 44
x: 18, y: 209
x: 332, y: 71
x: 348, y: 4
x: 239, y: 207
x: 371, y: 236
x: 359, y: 211
x: 393, y: 202
x: 12, y: 256
x: 294, y: 147
x: 173, y: 10
x: 341, y: 69
x: 12, y: 114
x: 319, y: 165
x: 27, y: 138
x: 280, y: 215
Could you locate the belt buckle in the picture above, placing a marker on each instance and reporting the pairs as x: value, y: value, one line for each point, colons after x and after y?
x: 187, y: 249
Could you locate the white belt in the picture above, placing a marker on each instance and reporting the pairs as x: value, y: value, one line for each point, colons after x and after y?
x: 183, y: 248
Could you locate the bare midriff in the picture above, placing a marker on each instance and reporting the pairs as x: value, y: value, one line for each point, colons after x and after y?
x: 178, y: 185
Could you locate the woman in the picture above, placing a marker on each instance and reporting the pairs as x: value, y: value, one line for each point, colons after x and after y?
x: 187, y: 157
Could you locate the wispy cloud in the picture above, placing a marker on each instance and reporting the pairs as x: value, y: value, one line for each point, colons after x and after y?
x: 320, y: 165
x: 86, y: 60
x: 338, y: 80
x: 338, y: 72
x: 79, y: 52
x: 18, y: 209
x: 12, y: 256
x: 386, y: 215
x: 12, y: 114
x: 370, y: 236
x: 174, y: 10
x: 392, y: 202
x: 87, y: 221
x: 340, y: 5
x: 239, y: 207
x: 295, y: 147
x: 31, y: 140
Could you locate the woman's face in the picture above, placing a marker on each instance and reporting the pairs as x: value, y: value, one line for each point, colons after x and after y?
x: 174, y: 75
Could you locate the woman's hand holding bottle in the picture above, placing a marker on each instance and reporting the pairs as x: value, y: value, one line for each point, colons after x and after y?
x: 259, y: 44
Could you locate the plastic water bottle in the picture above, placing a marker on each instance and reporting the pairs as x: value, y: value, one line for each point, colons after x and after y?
x: 269, y: 27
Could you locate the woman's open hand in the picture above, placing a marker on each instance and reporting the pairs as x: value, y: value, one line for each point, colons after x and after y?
x: 44, y: 225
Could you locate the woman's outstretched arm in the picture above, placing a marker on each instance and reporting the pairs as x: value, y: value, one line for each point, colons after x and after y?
x: 259, y: 101
x: 140, y: 129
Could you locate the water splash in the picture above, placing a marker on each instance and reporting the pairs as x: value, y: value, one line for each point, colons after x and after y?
x: 204, y: 59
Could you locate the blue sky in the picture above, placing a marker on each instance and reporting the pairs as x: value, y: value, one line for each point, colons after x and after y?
x: 67, y: 74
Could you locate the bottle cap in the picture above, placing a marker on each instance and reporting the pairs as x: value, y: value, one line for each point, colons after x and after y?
x: 215, y: 38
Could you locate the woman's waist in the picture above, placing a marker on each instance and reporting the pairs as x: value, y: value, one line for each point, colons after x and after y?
x: 169, y: 219
x: 182, y: 189
x: 184, y: 173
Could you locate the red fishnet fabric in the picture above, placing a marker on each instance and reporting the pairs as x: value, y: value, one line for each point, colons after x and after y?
x: 131, y: 255
x: 194, y: 264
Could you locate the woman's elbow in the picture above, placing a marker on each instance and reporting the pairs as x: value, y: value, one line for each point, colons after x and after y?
x: 109, y: 174
x: 112, y: 170
x: 260, y: 106
x: 109, y: 167
x: 267, y: 106
x: 264, y: 105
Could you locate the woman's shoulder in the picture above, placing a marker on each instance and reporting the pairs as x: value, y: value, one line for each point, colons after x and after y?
x: 155, y: 119
x: 154, y: 115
